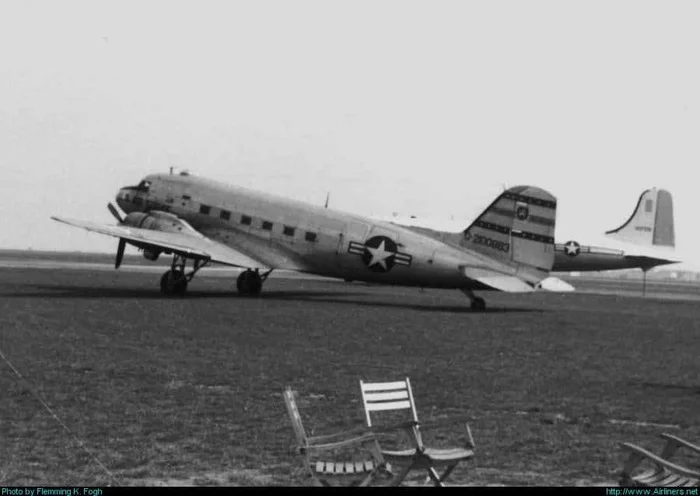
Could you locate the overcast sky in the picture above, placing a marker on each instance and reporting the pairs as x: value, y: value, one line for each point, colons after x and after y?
x: 424, y: 107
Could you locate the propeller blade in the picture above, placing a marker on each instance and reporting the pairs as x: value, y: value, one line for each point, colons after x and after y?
x: 120, y: 253
x: 115, y: 212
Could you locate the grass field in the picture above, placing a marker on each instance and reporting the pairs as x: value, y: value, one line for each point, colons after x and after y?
x: 188, y: 391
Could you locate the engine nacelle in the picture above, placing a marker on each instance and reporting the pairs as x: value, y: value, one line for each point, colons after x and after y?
x: 151, y: 254
x: 157, y: 221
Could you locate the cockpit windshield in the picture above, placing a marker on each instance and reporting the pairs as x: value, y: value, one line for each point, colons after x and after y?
x: 144, y: 186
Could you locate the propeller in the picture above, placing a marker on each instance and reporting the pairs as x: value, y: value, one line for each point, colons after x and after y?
x: 115, y: 212
x: 122, y: 242
x: 120, y: 253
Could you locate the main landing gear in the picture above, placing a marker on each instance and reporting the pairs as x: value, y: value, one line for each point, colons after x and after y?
x: 250, y: 282
x: 477, y: 303
x: 174, y: 282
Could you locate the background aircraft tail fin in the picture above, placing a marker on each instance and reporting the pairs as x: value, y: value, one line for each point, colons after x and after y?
x: 651, y: 222
x: 517, y: 229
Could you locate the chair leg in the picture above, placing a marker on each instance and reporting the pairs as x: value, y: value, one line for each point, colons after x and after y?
x: 447, y: 472
x: 435, y: 477
x: 438, y: 480
x: 398, y: 478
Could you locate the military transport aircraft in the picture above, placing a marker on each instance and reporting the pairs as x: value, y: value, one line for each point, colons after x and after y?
x: 645, y: 241
x: 510, y: 246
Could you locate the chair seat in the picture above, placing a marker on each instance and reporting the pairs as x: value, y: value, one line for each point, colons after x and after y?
x: 436, y: 455
x: 663, y: 478
x: 345, y: 468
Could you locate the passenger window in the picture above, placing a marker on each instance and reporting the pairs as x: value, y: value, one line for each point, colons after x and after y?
x: 247, y: 220
x: 204, y: 209
x: 310, y: 236
x: 267, y: 225
x: 225, y: 214
x: 288, y: 231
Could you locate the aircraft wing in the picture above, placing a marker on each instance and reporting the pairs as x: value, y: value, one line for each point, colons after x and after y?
x: 193, y: 245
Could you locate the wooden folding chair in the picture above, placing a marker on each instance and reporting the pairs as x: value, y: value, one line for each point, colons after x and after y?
x: 673, y: 443
x: 660, y: 470
x: 384, y: 396
x: 319, y: 453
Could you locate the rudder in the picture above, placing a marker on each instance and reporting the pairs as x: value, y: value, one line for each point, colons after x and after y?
x: 651, y: 223
x: 517, y: 229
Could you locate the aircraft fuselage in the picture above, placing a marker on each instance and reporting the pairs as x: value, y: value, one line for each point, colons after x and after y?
x: 282, y: 232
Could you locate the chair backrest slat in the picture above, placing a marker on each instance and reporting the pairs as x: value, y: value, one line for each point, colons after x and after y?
x: 383, y: 396
x: 381, y: 386
x: 393, y: 395
x: 388, y: 405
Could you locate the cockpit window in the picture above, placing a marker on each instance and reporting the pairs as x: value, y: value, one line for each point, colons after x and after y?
x: 144, y: 186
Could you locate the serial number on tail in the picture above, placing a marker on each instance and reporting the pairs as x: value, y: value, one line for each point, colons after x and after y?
x: 488, y: 242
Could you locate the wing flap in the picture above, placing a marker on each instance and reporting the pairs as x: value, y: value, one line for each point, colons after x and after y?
x: 192, y: 245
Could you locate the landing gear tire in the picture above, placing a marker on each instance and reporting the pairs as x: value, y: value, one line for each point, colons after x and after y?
x: 478, y: 304
x: 173, y: 283
x: 249, y: 283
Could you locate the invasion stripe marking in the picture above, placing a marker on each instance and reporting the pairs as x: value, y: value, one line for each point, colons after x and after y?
x: 533, y: 237
x: 518, y: 234
x: 506, y: 212
x: 491, y: 226
x: 535, y: 219
x: 530, y: 199
x: 543, y: 221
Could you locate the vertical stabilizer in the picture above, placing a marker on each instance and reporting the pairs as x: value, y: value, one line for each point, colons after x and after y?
x: 517, y: 229
x: 651, y: 223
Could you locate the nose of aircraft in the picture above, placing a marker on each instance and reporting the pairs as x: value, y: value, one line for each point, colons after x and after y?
x: 122, y: 199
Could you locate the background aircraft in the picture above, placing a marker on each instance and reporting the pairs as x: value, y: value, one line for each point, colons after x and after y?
x: 510, y: 247
x: 644, y: 241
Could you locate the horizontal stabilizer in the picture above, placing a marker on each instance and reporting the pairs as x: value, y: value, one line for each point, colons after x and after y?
x: 556, y: 285
x: 497, y: 280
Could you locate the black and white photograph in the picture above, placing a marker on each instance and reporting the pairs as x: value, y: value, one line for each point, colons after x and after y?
x: 349, y: 243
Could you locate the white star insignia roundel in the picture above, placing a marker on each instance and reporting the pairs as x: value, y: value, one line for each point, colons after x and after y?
x: 572, y: 248
x: 379, y: 255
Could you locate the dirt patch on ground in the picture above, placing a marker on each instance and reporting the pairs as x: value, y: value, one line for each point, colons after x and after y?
x: 235, y: 477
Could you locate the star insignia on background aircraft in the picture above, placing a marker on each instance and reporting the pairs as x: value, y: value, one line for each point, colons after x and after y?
x: 572, y: 248
x: 379, y: 253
